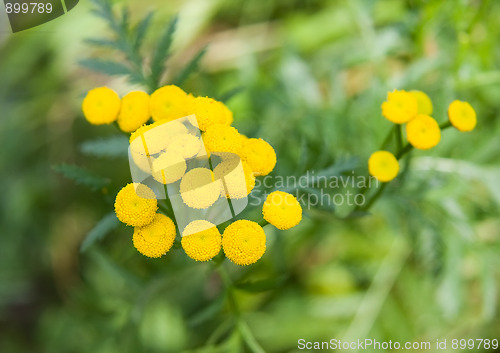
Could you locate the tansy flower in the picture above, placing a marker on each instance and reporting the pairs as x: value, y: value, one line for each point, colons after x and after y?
x: 201, y: 240
x: 185, y: 145
x: 168, y: 103
x: 259, y: 155
x: 136, y: 205
x: 101, y: 106
x: 222, y: 138
x: 237, y: 178
x: 208, y: 112
x: 134, y: 111
x: 282, y: 210
x: 244, y: 242
x: 156, y: 238
x: 424, y: 103
x: 142, y: 161
x: 198, y: 188
x: 154, y: 138
x: 400, y: 107
x: 383, y: 166
x: 462, y: 116
x: 423, y: 132
x: 169, y: 167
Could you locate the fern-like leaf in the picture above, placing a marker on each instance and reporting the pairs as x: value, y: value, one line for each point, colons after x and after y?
x: 111, y: 147
x: 190, y: 67
x: 107, y: 67
x: 81, y: 176
x: 161, y: 53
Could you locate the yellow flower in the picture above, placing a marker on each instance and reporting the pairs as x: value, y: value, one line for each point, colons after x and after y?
x: 282, y: 210
x: 169, y: 167
x: 222, y: 138
x: 154, y: 138
x: 423, y: 132
x: 462, y: 116
x: 201, y: 240
x: 400, y: 107
x: 244, y: 242
x: 101, y: 106
x: 168, y: 103
x: 383, y: 166
x: 208, y: 112
x: 237, y: 178
x: 424, y: 103
x: 198, y: 188
x: 134, y: 111
x: 136, y: 205
x: 156, y: 238
x: 186, y: 145
x: 259, y: 155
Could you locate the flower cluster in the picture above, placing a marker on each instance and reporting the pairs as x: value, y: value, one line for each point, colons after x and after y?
x: 172, y: 133
x: 414, y: 108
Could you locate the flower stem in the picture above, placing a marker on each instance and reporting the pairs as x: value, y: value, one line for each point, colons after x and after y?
x: 263, y: 222
x: 399, y: 137
x: 445, y: 125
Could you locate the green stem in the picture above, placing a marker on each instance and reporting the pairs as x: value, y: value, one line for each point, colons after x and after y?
x: 249, y: 338
x: 445, y: 125
x: 387, y: 139
x: 374, y: 198
x: 399, y: 137
x: 263, y: 222
x: 404, y: 151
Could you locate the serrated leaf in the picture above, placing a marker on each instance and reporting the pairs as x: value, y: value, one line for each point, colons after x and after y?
x: 190, y: 67
x: 162, y: 51
x: 81, y: 176
x: 141, y: 30
x: 107, y: 67
x: 101, y: 229
x: 111, y: 147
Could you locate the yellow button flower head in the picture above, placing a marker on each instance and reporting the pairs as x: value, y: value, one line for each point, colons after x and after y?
x: 136, y: 205
x: 383, y: 165
x: 208, y: 112
x: 198, y: 188
x: 400, y: 107
x: 282, y: 210
x: 185, y: 145
x: 154, y: 138
x: 101, y: 106
x: 424, y: 103
x: 244, y: 242
x: 134, y: 111
x: 259, y: 155
x: 156, y: 238
x: 237, y: 178
x: 201, y: 240
x: 222, y: 138
x: 168, y: 103
x: 462, y: 116
x: 423, y: 132
x: 169, y: 167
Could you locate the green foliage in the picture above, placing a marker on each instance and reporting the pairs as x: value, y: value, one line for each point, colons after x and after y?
x: 101, y: 229
x: 109, y: 147
x: 82, y: 176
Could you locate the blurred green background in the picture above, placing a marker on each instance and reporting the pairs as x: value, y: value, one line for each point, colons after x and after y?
x: 311, y: 75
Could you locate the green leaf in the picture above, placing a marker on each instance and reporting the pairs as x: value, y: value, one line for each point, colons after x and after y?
x: 141, y: 30
x: 101, y: 229
x: 190, y: 67
x: 231, y: 93
x: 162, y: 51
x: 110, y: 147
x: 107, y: 67
x: 81, y: 176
